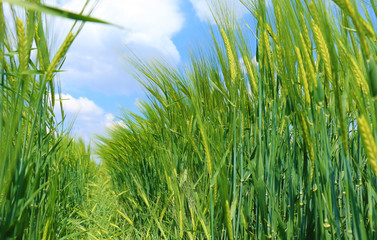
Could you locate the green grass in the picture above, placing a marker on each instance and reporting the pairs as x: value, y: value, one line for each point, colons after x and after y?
x: 43, y: 172
x: 225, y: 151
x: 222, y: 149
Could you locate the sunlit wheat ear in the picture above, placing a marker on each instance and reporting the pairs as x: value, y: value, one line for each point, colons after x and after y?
x: 359, y: 22
x: 278, y: 22
x: 267, y: 45
x: 22, y: 46
x: 281, y: 67
x: 271, y: 33
x: 305, y: 32
x: 303, y: 75
x: 368, y: 142
x: 320, y: 43
x: 39, y: 51
x: 251, y: 75
x: 362, y: 27
x: 312, y: 78
x: 355, y: 69
x: 228, y: 220
x: 229, y: 52
x: 45, y: 231
x: 59, y: 55
x: 314, y: 12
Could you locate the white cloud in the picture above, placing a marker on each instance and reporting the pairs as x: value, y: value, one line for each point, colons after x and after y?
x: 87, y: 116
x: 94, y: 62
x: 203, y: 8
x: 150, y: 23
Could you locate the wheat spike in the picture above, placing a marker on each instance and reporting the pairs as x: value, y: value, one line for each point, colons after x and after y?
x: 312, y: 78
x: 251, y: 75
x: 232, y: 64
x: 45, y: 231
x: 271, y: 33
x: 359, y: 22
x: 314, y: 12
x: 22, y: 46
x: 228, y: 220
x: 59, y: 55
x: 359, y: 76
x: 323, y: 50
x: 356, y: 72
x: 40, y: 57
x: 278, y: 22
x: 281, y: 68
x: 368, y: 142
x: 303, y: 75
x: 305, y: 32
x: 267, y: 46
x: 125, y: 217
x: 268, y: 60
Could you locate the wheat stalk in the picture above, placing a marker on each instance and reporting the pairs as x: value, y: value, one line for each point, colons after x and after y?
x: 308, y: 141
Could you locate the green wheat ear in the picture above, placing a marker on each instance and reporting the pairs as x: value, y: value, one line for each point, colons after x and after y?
x: 22, y: 46
x: 303, y: 75
x: 228, y: 220
x: 229, y: 52
x: 323, y: 50
x: 368, y: 142
x: 251, y: 75
x: 59, y: 55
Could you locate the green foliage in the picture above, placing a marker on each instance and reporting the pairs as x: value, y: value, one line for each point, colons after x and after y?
x: 224, y: 149
x: 42, y: 170
x: 216, y: 155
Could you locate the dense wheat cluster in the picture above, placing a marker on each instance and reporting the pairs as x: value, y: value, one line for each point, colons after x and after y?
x: 227, y: 149
x: 224, y: 147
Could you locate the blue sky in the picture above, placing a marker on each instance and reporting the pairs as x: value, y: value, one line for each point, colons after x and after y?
x: 96, y: 84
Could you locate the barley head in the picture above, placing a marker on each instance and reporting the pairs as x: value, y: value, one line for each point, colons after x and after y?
x: 59, y: 55
x: 323, y: 50
x: 251, y: 75
x: 22, y: 46
x: 228, y: 48
x: 303, y: 75
x: 368, y: 142
x: 228, y: 220
x: 312, y: 78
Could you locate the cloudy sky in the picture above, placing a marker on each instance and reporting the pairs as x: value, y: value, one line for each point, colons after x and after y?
x: 96, y: 84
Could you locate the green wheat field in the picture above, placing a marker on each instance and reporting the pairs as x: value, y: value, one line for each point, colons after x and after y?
x: 223, y: 148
